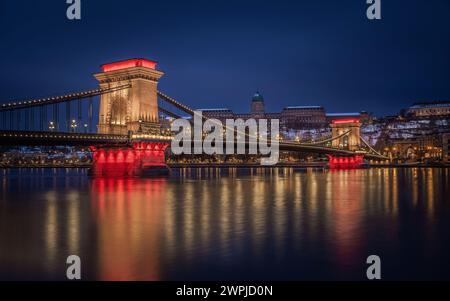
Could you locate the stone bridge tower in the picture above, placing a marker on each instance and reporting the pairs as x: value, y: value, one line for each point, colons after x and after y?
x: 352, y: 140
x: 132, y: 109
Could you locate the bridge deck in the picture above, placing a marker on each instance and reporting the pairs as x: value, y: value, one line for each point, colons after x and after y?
x: 30, y: 138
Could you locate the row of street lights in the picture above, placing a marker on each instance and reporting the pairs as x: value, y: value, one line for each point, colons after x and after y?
x: 73, y: 126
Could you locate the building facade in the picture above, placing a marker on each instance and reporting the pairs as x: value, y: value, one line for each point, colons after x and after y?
x: 426, y: 148
x: 296, y: 117
x: 445, y: 147
x: 430, y: 109
x: 300, y: 117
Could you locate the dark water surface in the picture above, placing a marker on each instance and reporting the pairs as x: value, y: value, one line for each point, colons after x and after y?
x: 210, y: 224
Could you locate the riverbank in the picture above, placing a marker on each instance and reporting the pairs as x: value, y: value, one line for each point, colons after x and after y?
x: 409, y: 165
x: 46, y: 166
x: 239, y: 165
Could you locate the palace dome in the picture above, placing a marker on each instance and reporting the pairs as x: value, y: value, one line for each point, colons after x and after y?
x: 257, y: 97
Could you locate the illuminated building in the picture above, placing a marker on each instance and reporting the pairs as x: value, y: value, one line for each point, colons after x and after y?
x: 445, y: 147
x: 299, y: 117
x: 430, y: 109
x: 295, y: 117
x: 423, y: 147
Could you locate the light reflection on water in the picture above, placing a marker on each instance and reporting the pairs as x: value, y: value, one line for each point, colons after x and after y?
x: 232, y: 223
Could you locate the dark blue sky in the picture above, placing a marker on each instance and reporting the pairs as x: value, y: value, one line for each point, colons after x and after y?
x: 217, y: 53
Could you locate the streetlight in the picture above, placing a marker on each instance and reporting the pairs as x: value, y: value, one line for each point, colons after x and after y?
x: 51, y: 126
x: 74, y: 125
x: 140, y: 126
x: 85, y: 127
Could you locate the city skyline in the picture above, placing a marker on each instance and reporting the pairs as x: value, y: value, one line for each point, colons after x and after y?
x: 225, y: 148
x: 294, y: 53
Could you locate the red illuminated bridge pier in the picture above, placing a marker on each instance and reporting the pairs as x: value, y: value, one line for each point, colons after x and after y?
x: 339, y: 162
x: 141, y: 157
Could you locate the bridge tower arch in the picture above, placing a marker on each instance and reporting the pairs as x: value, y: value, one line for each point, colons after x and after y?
x: 351, y: 140
x: 134, y: 108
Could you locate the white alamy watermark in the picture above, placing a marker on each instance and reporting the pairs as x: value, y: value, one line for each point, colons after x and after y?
x: 73, y: 11
x: 374, y: 270
x: 73, y: 271
x: 237, y: 136
x: 374, y: 10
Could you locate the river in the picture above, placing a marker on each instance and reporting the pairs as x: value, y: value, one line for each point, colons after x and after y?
x: 226, y: 224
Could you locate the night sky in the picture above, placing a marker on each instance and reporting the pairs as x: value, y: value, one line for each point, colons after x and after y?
x: 218, y: 53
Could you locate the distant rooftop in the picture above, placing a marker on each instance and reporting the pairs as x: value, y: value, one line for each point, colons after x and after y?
x: 243, y: 115
x: 215, y: 110
x: 303, y: 107
x: 436, y: 104
x: 342, y: 114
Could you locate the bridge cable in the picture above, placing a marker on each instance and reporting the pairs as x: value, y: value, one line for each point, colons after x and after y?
x: 169, y: 113
x: 19, y: 117
x: 90, y: 113
x: 329, y: 139
x: 58, y: 99
x: 32, y: 118
x: 68, y: 116
x: 79, y: 115
x: 371, y: 148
